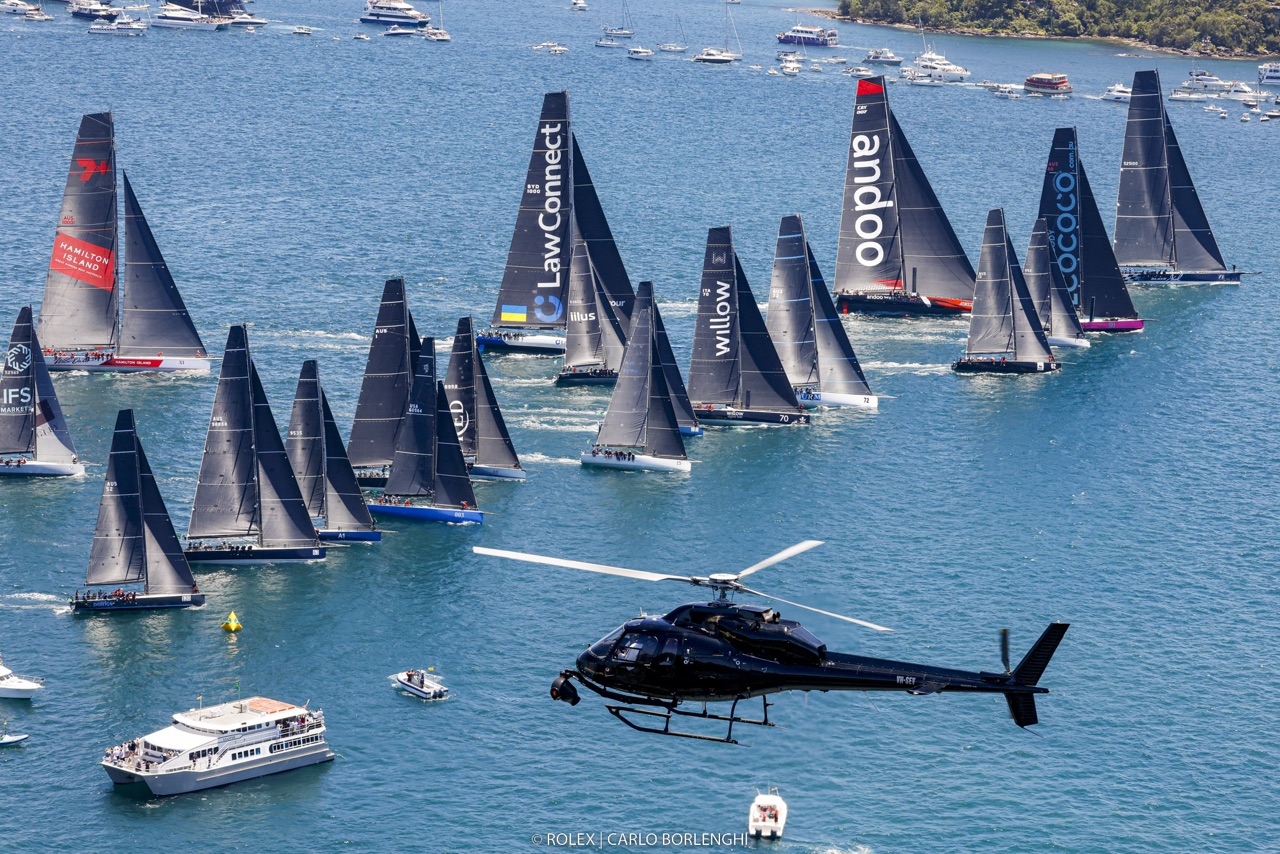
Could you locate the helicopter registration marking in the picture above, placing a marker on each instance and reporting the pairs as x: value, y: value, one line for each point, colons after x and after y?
x: 906, y: 680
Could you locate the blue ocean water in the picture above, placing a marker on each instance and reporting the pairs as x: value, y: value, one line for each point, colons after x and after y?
x: 1132, y: 494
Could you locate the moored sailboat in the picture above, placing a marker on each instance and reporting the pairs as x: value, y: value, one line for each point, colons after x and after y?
x: 640, y: 431
x: 320, y: 464
x: 482, y: 431
x: 247, y: 498
x: 806, y: 330
x: 90, y: 319
x: 134, y: 541
x: 1162, y: 233
x: 385, y: 390
x: 1049, y: 291
x: 34, y: 439
x: 428, y: 479
x: 1005, y: 336
x: 1082, y: 249
x: 735, y: 377
x: 897, y: 253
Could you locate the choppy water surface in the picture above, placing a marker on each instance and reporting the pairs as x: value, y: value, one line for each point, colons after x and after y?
x: 1132, y: 494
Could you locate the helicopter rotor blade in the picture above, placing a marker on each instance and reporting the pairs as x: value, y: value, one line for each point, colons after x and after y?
x: 577, y: 564
x: 780, y: 556
x: 1004, y: 649
x: 815, y: 610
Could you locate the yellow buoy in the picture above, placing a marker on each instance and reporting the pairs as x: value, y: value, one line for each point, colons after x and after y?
x: 232, y: 624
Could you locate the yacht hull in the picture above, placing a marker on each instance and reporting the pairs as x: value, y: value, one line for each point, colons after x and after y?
x: 495, y: 473
x: 125, y: 364
x: 727, y: 417
x: 195, y: 779
x: 898, y: 304
x: 601, y: 376
x: 1068, y: 342
x: 371, y: 481
x: 521, y: 342
x: 428, y: 514
x: 351, y: 536
x: 1183, y: 277
x: 142, y: 602
x: 814, y: 399
x: 983, y: 366
x: 1128, y: 324
x: 36, y: 468
x: 640, y: 462
x: 253, y: 555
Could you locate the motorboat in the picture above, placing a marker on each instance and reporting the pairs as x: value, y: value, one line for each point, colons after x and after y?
x: 244, y: 19
x: 121, y: 26
x: 1117, y: 92
x: 1049, y: 84
x: 768, y: 816
x: 837, y: 60
x: 608, y: 41
x: 361, y: 37
x: 1269, y: 72
x: 641, y: 53
x: 1202, y: 81
x: 92, y: 9
x: 881, y: 56
x: 544, y: 45
x: 939, y: 66
x: 920, y: 77
x: 792, y: 55
x: 8, y: 739
x: 790, y: 68
x: 808, y: 34
x: 435, y: 34
x: 1237, y: 91
x: 217, y: 745
x: 393, y: 12
x: 557, y: 50
x: 15, y: 687
x: 397, y: 30
x: 420, y: 683
x: 579, y: 5
x: 16, y: 7
x: 860, y: 71
x: 815, y: 66
x: 37, y: 15
x: 673, y: 47
x: 304, y: 31
x: 1184, y: 95
x: 714, y: 56
x: 1006, y: 91
x: 181, y: 18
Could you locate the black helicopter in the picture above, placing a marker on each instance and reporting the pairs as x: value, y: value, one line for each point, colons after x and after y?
x: 723, y: 651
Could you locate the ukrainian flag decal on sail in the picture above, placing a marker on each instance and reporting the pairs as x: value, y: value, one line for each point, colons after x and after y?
x: 515, y: 313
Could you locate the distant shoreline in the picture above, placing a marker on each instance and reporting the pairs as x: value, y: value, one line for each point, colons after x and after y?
x: 832, y: 14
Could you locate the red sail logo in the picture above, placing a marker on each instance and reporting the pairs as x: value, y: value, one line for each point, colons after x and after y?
x: 84, y: 262
x: 90, y: 166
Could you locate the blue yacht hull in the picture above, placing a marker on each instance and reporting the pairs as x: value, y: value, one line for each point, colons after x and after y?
x: 428, y: 514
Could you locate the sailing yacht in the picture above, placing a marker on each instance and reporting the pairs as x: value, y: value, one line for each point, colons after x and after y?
x: 1162, y: 233
x: 1049, y: 291
x: 531, y: 314
x: 384, y: 393
x: 320, y: 464
x: 134, y: 541
x: 247, y: 498
x: 34, y: 439
x: 626, y: 30
x: 482, y: 431
x: 640, y: 431
x: 722, y: 55
x: 1005, y: 336
x: 594, y: 334
x: 88, y: 319
x: 1079, y: 239
x: 428, y: 479
x: 735, y: 378
x: 897, y: 252
x: 804, y: 327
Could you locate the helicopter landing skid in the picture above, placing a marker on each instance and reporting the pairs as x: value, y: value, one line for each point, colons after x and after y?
x: 621, y: 712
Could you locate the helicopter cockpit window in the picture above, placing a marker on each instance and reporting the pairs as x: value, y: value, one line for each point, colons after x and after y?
x: 602, y: 647
x: 636, y: 648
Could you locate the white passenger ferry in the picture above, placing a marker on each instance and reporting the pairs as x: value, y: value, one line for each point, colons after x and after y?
x: 218, y: 745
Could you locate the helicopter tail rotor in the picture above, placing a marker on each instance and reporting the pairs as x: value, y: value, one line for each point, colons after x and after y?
x: 1004, y: 650
x: 1022, y: 705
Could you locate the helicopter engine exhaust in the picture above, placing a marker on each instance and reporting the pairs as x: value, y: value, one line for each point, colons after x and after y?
x: 562, y: 689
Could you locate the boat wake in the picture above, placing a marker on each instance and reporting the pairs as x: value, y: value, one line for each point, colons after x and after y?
x: 909, y: 367
x: 543, y: 458
x: 34, y: 602
x: 560, y: 426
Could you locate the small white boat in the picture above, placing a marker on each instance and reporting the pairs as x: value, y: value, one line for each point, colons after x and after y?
x: 1273, y: 114
x: 543, y: 45
x: 640, y: 53
x: 816, y: 67
x: 1184, y: 95
x: 121, y: 26
x: 37, y: 15
x: 861, y: 72
x: 768, y: 817
x: 558, y: 50
x: 714, y: 56
x: 435, y: 34
x: 304, y: 31
x: 1118, y: 92
x: 837, y: 60
x: 579, y: 5
x: 420, y: 683
x: 15, y: 7
x: 775, y: 72
x: 882, y: 56
x: 397, y: 30
x: 244, y: 19
x: 15, y: 687
x: 1244, y: 117
x: 361, y: 37
x: 673, y: 47
x: 608, y: 41
x: 8, y: 739
x: 790, y: 68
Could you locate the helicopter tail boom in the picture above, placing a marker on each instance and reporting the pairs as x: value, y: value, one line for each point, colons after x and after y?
x: 1031, y: 668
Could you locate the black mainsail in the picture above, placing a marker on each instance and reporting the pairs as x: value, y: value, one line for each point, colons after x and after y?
x: 31, y: 420
x: 1079, y: 239
x: 594, y: 333
x: 640, y: 414
x: 1160, y: 221
x: 671, y: 373
x: 154, y: 319
x: 1004, y: 322
x: 134, y: 539
x: 481, y: 429
x: 1049, y: 291
x: 388, y: 381
x: 896, y: 244
x: 532, y: 295
x: 734, y: 362
x: 319, y: 461
x: 802, y: 321
x: 79, y: 309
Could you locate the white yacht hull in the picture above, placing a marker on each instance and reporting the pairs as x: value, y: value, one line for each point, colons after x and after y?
x: 814, y: 399
x: 495, y: 473
x: 1068, y: 342
x: 125, y: 364
x: 16, y: 692
x: 639, y: 462
x: 193, y: 779
x: 36, y: 468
